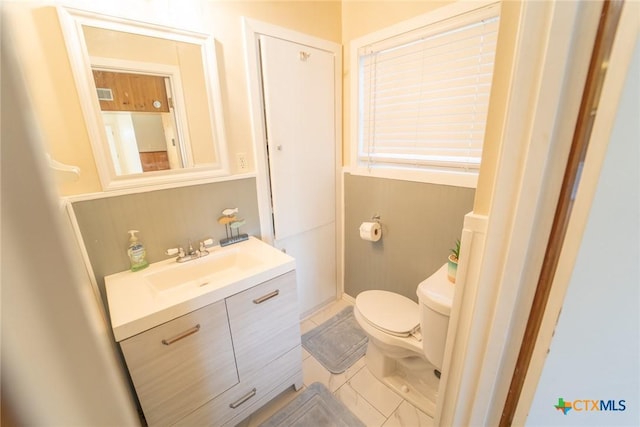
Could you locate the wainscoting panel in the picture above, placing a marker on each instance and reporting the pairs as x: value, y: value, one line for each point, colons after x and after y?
x: 420, y: 224
x: 165, y: 219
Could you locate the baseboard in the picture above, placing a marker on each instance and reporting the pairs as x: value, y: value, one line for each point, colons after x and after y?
x: 348, y: 298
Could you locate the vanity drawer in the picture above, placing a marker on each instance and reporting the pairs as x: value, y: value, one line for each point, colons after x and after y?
x: 264, y: 322
x: 182, y: 364
x: 250, y: 394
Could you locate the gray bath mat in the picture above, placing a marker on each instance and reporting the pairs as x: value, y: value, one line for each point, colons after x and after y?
x: 337, y: 343
x: 317, y: 407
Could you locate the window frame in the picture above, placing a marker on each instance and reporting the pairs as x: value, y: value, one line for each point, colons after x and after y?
x: 425, y: 174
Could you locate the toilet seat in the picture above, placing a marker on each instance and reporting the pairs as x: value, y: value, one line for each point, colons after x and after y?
x: 389, y: 312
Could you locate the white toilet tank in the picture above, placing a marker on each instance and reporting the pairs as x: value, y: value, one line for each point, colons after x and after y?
x: 435, y: 296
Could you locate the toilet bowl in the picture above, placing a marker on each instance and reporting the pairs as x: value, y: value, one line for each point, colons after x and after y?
x: 407, y: 340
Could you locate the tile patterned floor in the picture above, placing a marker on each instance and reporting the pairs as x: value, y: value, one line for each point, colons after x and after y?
x: 368, y: 398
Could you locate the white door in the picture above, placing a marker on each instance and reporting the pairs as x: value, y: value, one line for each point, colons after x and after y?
x: 298, y: 88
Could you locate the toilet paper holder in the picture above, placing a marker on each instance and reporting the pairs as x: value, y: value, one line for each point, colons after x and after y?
x: 372, y: 230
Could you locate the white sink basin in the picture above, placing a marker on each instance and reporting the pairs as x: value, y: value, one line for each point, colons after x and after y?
x: 167, y: 289
x: 215, y: 268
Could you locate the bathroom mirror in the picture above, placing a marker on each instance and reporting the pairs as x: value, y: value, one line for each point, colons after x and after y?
x: 150, y: 97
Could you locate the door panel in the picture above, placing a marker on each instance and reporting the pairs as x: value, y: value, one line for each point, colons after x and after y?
x: 315, y: 254
x: 298, y: 86
x: 298, y: 91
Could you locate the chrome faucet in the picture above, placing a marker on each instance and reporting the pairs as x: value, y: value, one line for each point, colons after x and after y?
x: 191, y: 254
x: 191, y: 251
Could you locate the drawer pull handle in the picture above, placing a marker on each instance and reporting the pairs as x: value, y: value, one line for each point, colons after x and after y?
x: 182, y: 335
x: 266, y: 297
x: 243, y: 399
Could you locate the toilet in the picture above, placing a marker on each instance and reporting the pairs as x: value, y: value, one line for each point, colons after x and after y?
x: 407, y: 340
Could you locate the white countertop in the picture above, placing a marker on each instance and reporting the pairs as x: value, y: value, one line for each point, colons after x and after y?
x: 136, y: 305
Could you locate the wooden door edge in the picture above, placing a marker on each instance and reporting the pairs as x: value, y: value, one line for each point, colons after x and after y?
x: 605, y: 36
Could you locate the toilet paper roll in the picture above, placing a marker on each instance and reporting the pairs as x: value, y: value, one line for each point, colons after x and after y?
x: 370, y: 231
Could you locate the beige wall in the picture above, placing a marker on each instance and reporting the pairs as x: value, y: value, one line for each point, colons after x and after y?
x: 55, y: 99
x: 36, y: 32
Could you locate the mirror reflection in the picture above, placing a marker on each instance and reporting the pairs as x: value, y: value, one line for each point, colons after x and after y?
x: 140, y: 85
x: 150, y: 98
x: 139, y: 123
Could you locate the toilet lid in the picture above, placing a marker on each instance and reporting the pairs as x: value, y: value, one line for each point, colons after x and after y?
x: 389, y: 312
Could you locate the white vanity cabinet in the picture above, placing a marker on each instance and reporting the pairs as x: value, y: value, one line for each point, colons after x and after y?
x: 180, y: 365
x: 264, y: 323
x: 216, y: 365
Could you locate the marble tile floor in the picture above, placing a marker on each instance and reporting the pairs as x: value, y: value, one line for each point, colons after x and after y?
x: 368, y: 398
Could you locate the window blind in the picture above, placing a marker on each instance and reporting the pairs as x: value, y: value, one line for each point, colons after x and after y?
x: 424, y: 94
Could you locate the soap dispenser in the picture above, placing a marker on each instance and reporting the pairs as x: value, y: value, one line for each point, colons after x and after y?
x: 137, y: 253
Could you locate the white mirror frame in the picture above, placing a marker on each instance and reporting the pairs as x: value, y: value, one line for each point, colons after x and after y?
x: 71, y: 22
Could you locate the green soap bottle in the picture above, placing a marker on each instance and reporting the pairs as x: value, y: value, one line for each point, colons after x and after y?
x: 137, y: 253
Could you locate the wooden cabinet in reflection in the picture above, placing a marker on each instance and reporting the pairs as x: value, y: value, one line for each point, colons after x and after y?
x: 154, y: 161
x: 131, y: 92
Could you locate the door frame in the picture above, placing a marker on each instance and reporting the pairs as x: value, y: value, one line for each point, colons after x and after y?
x: 552, y: 48
x: 252, y: 29
x: 626, y: 37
